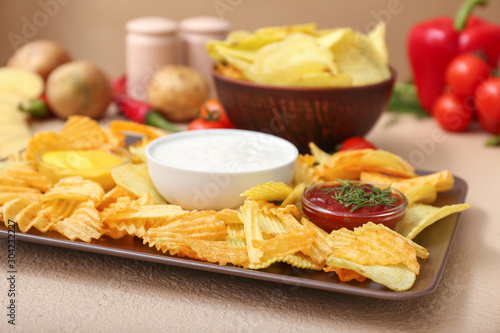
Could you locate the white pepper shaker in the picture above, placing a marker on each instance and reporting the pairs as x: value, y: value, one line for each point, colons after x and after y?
x: 150, y: 44
x: 194, y: 33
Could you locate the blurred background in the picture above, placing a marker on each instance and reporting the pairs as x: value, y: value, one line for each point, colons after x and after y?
x: 94, y: 29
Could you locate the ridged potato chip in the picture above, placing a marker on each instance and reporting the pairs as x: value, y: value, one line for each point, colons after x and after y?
x: 374, y: 245
x: 5, y: 197
x: 395, y: 277
x: 286, y: 243
x: 12, y: 208
x: 76, y: 189
x: 44, y: 140
x: 135, y: 178
x: 320, y: 249
x: 251, y: 222
x: 82, y: 132
x: 112, y: 196
x: 170, y: 238
x: 420, y: 216
x: 30, y: 175
x: 17, y: 189
x: 229, y: 216
x: 84, y: 224
x: 8, y: 181
x: 219, y: 252
x: 270, y: 191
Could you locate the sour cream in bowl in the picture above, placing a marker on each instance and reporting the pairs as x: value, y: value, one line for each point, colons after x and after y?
x: 209, y: 169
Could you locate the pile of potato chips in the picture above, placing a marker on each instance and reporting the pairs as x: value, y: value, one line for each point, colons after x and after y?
x: 269, y: 227
x: 303, y: 56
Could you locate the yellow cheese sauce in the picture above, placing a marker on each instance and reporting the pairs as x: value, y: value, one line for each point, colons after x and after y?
x: 92, y: 164
x: 82, y: 159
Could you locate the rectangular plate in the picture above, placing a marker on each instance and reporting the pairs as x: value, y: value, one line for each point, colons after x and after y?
x: 437, y: 239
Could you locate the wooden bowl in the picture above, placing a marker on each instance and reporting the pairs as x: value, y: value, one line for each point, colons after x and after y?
x: 325, y: 116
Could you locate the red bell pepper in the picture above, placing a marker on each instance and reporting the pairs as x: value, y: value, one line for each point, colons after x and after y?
x: 432, y: 45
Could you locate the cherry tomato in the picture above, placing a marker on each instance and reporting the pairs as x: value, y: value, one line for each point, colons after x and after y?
x: 213, y: 110
x: 355, y: 143
x: 451, y: 113
x: 200, y: 123
x: 465, y: 73
x: 488, y: 104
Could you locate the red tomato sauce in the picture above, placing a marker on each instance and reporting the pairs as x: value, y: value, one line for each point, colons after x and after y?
x: 334, y: 205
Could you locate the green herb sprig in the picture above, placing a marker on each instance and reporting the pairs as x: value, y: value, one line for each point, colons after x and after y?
x: 355, y: 196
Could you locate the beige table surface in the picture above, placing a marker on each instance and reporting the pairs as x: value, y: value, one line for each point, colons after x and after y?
x: 62, y: 290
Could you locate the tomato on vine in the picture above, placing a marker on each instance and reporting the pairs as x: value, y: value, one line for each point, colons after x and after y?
x: 211, y: 115
x: 452, y: 113
x: 465, y: 73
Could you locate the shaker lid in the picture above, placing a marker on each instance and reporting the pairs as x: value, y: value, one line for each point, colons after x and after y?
x: 152, y: 25
x: 207, y: 24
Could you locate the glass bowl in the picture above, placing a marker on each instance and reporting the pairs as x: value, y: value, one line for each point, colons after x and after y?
x: 101, y: 175
x: 332, y: 217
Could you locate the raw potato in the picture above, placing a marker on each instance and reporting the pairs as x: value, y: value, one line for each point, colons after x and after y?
x: 40, y: 56
x: 178, y: 92
x: 17, y: 85
x: 78, y: 88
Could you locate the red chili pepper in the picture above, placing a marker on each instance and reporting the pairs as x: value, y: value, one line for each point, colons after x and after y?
x: 432, y: 45
x: 138, y: 111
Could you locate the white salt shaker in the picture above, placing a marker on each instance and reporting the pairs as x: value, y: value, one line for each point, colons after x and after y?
x: 150, y: 44
x: 194, y: 33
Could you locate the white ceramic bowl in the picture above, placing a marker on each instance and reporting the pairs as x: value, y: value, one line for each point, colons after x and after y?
x: 209, y: 169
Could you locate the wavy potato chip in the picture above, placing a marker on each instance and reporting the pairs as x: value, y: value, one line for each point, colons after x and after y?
x: 203, y: 225
x: 251, y: 222
x: 229, y: 216
x: 44, y: 140
x: 84, y: 224
x: 270, y: 191
x: 286, y: 243
x: 31, y: 176
x: 320, y: 248
x: 81, y: 132
x: 75, y: 189
x: 9, y: 196
x: 379, y: 247
x: 112, y: 196
x: 395, y: 277
x: 218, y: 251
